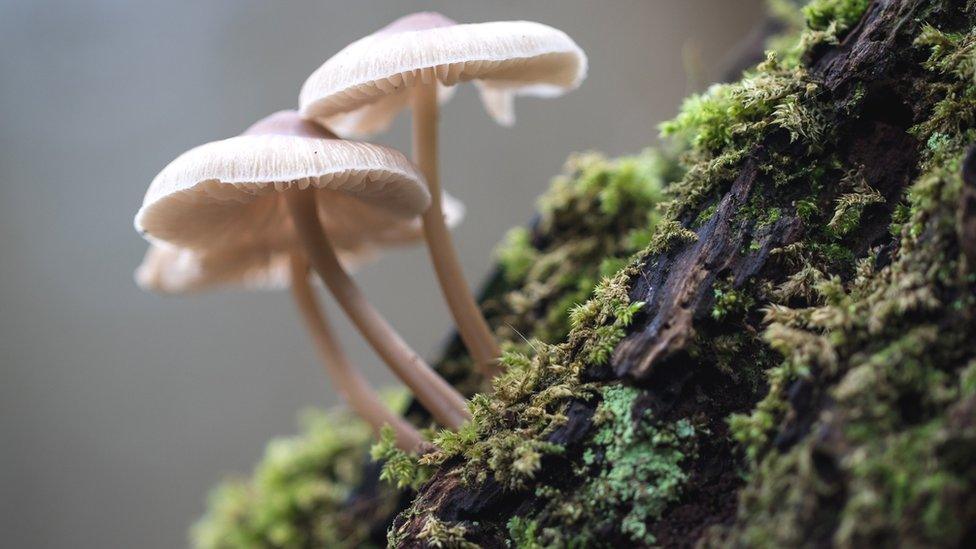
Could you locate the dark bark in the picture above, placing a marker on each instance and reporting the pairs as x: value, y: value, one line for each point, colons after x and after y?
x: 678, y: 289
x: 677, y: 286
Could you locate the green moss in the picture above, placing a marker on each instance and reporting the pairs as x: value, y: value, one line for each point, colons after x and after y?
x: 951, y: 59
x: 918, y: 491
x: 532, y: 392
x: 821, y: 14
x: 582, y: 215
x: 516, y: 255
x: 715, y: 133
x: 850, y: 206
x: 669, y: 234
x: 507, y: 437
x: 868, y: 348
x: 524, y: 533
x: 703, y: 216
x: 724, y: 124
x: 399, y: 467
x: 441, y: 535
x: 895, y: 377
x: 875, y: 468
x: 730, y: 302
x: 632, y: 469
x: 297, y: 495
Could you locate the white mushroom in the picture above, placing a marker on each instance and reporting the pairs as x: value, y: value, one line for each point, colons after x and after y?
x: 276, y: 181
x: 361, y: 89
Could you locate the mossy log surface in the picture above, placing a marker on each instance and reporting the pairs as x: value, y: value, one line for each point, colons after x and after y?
x: 867, y: 85
x: 758, y: 334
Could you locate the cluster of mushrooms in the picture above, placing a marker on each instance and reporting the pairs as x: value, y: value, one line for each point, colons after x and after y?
x: 287, y: 196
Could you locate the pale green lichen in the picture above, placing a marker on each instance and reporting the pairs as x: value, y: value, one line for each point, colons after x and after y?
x: 641, y: 461
x: 632, y: 469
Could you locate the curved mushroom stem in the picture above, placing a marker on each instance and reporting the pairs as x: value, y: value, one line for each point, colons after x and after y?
x: 444, y: 403
x: 356, y: 391
x: 471, y: 324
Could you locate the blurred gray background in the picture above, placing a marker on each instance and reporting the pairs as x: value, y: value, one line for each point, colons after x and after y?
x: 120, y: 409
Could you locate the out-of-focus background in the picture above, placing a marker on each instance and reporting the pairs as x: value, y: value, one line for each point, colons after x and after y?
x: 119, y: 409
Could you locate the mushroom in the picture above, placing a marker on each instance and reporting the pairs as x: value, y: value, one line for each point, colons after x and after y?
x: 361, y: 89
x: 178, y: 270
x: 262, y: 263
x: 273, y: 182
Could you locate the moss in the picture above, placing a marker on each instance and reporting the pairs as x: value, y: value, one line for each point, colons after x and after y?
x: 399, y: 467
x: 507, y: 438
x: 524, y: 533
x: 903, y: 490
x: 822, y: 14
x: 950, y: 55
x: 532, y: 392
x: 856, y: 428
x: 729, y: 301
x: 516, y: 255
x: 850, y: 207
x: 724, y: 124
x: 297, y: 495
x: 892, y: 460
x: 667, y: 235
x: 875, y: 468
x: 714, y: 134
x: 632, y: 470
x: 703, y: 216
x: 442, y: 535
x: 581, y: 216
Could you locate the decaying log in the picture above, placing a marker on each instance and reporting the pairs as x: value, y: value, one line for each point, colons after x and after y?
x: 677, y: 287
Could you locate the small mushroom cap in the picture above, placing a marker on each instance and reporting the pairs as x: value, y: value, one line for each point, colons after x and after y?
x: 227, y: 194
x: 262, y: 264
x: 360, y: 90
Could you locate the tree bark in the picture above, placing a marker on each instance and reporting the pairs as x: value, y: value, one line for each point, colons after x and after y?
x: 871, y: 66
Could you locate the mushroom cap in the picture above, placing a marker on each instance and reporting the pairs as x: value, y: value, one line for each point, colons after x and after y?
x: 262, y: 264
x: 361, y: 89
x: 172, y: 270
x: 227, y: 194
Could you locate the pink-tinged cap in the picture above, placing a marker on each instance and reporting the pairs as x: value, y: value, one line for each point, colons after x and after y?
x: 262, y: 261
x: 361, y: 89
x: 227, y: 194
x: 423, y: 20
x: 288, y: 123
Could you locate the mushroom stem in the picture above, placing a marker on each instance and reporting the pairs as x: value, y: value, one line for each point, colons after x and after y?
x: 443, y: 401
x: 470, y: 323
x: 355, y: 390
